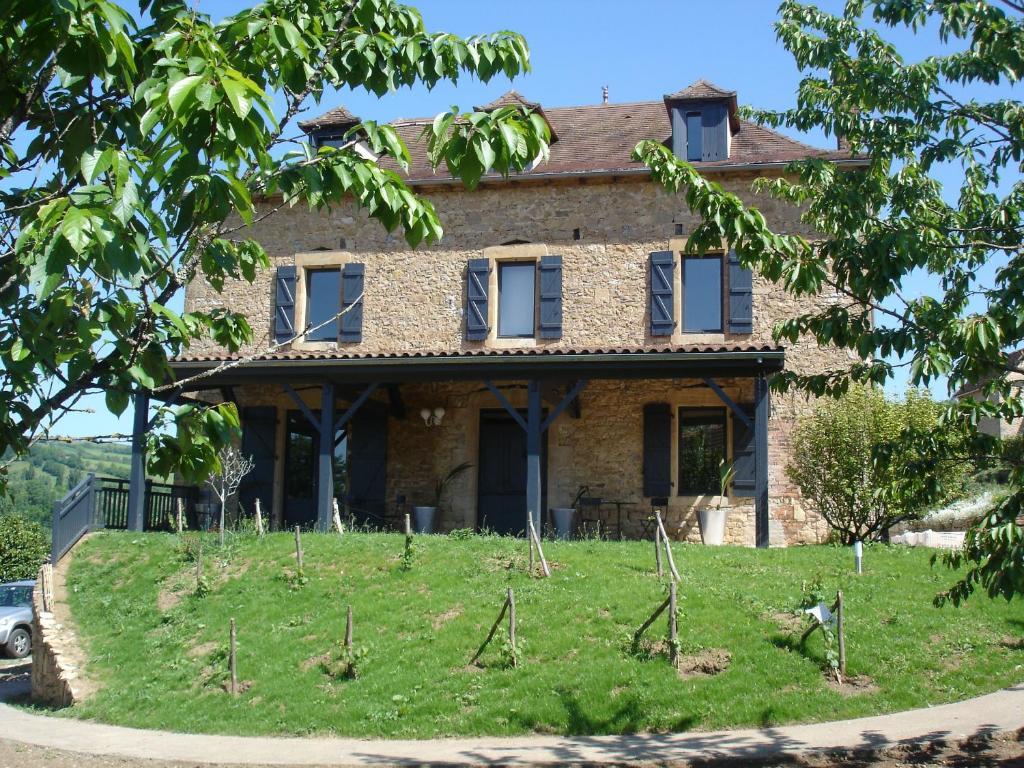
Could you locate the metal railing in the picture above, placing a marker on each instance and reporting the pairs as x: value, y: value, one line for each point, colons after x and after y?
x: 102, y: 502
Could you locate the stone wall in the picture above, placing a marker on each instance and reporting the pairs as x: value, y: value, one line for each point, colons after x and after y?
x: 55, y: 681
x: 415, y: 300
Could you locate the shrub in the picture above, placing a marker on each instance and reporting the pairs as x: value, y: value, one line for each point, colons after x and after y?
x: 24, y: 546
x: 856, y: 462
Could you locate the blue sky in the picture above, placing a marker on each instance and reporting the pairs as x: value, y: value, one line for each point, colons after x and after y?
x: 641, y: 50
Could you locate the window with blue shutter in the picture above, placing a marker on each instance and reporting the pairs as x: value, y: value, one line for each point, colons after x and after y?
x: 702, y: 294
x: 476, y: 299
x: 741, y: 296
x: 657, y: 449
x: 284, y: 304
x: 350, y: 324
x: 323, y: 302
x: 550, y: 297
x: 714, y: 133
x: 517, y: 292
x: 743, y: 454
x: 663, y: 318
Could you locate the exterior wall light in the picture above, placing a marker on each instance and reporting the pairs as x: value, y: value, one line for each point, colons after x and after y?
x: 432, y: 418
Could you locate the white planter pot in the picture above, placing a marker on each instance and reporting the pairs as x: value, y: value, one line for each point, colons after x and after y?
x: 712, y: 525
x: 563, y: 517
x: 423, y: 519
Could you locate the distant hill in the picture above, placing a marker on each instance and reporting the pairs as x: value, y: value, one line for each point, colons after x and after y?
x: 52, y: 469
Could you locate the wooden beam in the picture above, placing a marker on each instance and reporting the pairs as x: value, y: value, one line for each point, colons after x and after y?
x: 302, y: 406
x: 762, y: 401
x: 736, y: 410
x: 572, y: 394
x: 137, y: 478
x: 325, y: 473
x: 345, y: 417
x: 507, y: 405
x: 533, y: 453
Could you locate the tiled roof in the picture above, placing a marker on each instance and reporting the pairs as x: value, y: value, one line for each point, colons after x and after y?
x: 523, y: 352
x: 599, y: 139
x: 339, y: 117
x: 702, y: 89
x: 514, y: 98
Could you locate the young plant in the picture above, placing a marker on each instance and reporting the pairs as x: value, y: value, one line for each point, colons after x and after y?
x: 726, y: 472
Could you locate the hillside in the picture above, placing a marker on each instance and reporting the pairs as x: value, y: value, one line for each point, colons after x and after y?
x: 134, y: 600
x: 50, y: 470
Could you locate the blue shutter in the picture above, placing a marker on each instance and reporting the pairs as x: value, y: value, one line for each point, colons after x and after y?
x: 551, y: 297
x: 657, y: 449
x: 284, y: 305
x: 714, y: 121
x: 741, y: 296
x: 350, y: 323
x: 662, y: 300
x: 743, y: 454
x: 679, y: 132
x: 476, y: 299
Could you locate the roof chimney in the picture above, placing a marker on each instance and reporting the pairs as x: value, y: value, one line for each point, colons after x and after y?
x: 604, y: 94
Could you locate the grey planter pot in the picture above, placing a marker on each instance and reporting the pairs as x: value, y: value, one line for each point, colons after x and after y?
x: 563, y: 517
x: 423, y: 519
x: 712, y: 525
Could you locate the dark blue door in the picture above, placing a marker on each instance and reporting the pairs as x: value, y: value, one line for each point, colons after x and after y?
x: 501, y: 479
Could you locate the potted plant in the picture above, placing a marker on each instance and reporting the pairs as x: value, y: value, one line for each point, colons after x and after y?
x: 423, y: 517
x: 712, y: 519
x: 563, y: 517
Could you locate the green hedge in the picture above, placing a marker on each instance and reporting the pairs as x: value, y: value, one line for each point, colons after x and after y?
x: 24, y: 546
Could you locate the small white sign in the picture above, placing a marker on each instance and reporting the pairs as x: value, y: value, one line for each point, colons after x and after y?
x: 821, y: 613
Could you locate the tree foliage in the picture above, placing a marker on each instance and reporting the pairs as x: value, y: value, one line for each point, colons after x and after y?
x: 851, y: 466
x: 24, y: 546
x: 890, y: 217
x: 132, y: 148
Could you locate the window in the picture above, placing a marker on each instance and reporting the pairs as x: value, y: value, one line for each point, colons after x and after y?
x: 694, y: 136
x: 323, y: 303
x: 516, y: 299
x: 702, y: 440
x: 702, y: 294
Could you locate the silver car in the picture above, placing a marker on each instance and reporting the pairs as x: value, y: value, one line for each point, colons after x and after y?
x: 16, y: 618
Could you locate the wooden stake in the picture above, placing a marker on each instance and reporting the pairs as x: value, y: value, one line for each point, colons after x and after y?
x: 494, y: 628
x: 232, y: 661
x: 298, y: 549
x: 673, y: 633
x: 337, y: 518
x: 668, y: 548
x: 348, y: 629
x: 179, y: 516
x: 653, y: 617
x: 199, y: 566
x: 259, y: 517
x: 840, y: 627
x: 657, y: 549
x: 540, y: 552
x: 530, y: 537
x: 512, y: 624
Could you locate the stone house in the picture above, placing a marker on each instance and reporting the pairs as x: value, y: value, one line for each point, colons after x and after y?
x: 556, y: 339
x: 1002, y: 428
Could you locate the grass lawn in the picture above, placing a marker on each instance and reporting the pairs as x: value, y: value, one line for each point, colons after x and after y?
x: 159, y: 650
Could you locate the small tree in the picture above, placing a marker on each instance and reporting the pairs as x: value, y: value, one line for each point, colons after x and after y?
x: 24, y: 547
x: 854, y: 464
x: 234, y: 466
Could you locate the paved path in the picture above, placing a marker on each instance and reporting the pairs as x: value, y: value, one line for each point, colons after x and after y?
x: 984, y: 716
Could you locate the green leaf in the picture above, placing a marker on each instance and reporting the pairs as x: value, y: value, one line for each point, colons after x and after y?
x: 181, y: 90
x: 236, y: 93
x: 77, y: 229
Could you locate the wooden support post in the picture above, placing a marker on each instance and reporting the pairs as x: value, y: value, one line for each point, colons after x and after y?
x: 232, y: 661
x: 259, y: 517
x: 512, y: 626
x: 137, y: 480
x: 657, y: 549
x: 650, y: 620
x: 668, y: 548
x: 179, y: 515
x: 762, y: 403
x: 533, y: 452
x: 540, y: 552
x: 348, y: 629
x: 325, y: 465
x: 298, y: 550
x: 673, y: 630
x: 840, y: 631
x: 337, y: 518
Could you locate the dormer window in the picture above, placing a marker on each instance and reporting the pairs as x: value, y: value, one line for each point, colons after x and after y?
x: 704, y: 117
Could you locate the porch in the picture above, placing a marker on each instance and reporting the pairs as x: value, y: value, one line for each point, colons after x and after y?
x: 537, y: 425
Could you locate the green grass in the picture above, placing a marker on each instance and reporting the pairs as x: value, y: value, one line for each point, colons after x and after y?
x: 165, y: 669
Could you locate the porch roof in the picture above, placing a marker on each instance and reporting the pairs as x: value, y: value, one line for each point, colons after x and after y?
x: 640, y: 362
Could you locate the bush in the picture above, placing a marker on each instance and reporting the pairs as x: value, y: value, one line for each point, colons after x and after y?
x: 24, y: 546
x: 856, y: 461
